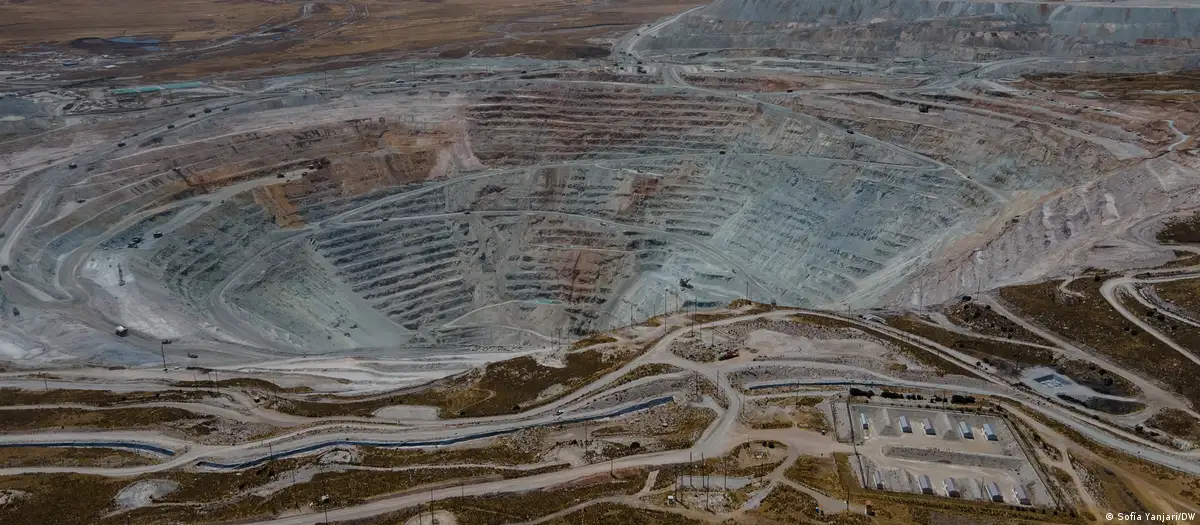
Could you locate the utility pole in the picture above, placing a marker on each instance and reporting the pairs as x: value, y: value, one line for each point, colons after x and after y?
x: 162, y: 350
x: 45, y: 382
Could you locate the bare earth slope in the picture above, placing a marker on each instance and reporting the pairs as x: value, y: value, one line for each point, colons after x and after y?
x: 823, y: 154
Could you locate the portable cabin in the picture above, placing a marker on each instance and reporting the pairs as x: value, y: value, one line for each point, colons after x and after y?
x: 929, y: 430
x: 925, y: 484
x: 904, y: 426
x: 994, y: 493
x: 951, y: 488
x: 965, y: 430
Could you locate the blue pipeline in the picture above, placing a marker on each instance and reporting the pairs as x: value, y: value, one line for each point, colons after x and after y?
x: 427, y: 443
x: 96, y: 444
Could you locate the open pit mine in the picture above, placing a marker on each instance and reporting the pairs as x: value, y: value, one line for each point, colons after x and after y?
x: 855, y: 253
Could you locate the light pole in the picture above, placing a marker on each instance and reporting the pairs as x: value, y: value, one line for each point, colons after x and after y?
x: 162, y: 350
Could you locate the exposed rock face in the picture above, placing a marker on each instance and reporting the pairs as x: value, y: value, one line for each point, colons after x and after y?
x: 1044, y: 35
x: 864, y: 153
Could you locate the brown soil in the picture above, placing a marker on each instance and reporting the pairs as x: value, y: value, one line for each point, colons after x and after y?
x: 1090, y: 321
x: 336, y: 35
x: 101, y: 398
x: 12, y: 457
x: 503, y: 387
x: 1184, y: 294
x: 1184, y: 230
x: 1009, y: 358
x: 983, y: 320
x: 1177, y: 423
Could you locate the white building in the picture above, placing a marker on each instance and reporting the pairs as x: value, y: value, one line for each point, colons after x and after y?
x: 1021, y: 495
x: 925, y: 484
x: 994, y: 493
x: 951, y: 488
x: 989, y: 433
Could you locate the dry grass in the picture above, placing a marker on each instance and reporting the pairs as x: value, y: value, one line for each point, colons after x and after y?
x: 1147, y: 87
x: 34, y: 22
x: 817, y: 473
x: 1182, y: 230
x: 500, y: 454
x: 102, y: 398
x: 343, y: 488
x: 12, y: 457
x: 503, y: 387
x: 652, y: 369
x: 514, y: 508
x: 1184, y: 294
x: 371, y: 28
x: 616, y: 514
x: 1009, y: 358
x: 522, y: 383
x: 803, y: 414
x: 1142, y: 475
x: 788, y: 505
x: 739, y: 462
x: 690, y: 424
x: 709, y: 318
x: 592, y: 340
x: 47, y: 418
x: 1177, y: 423
x: 983, y: 320
x: 205, y: 497
x: 1109, y: 490
x: 1090, y: 321
x: 1182, y: 334
x: 920, y: 355
x: 59, y: 499
x: 244, y: 383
